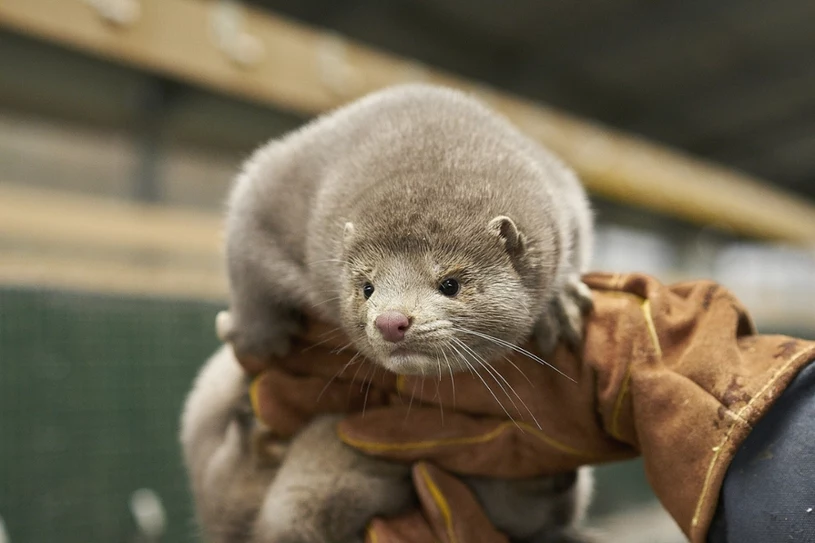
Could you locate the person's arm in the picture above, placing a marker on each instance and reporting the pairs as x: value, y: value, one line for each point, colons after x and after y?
x: 768, y: 493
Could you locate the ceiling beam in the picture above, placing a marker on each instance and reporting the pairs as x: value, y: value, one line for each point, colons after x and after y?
x: 311, y: 71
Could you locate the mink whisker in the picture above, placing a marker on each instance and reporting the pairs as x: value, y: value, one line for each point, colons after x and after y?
x: 513, y: 347
x: 326, y: 340
x: 514, y: 365
x: 452, y: 379
x: 330, y: 331
x: 515, y: 392
x: 337, y: 374
x: 341, y: 349
x: 368, y: 390
x: 438, y: 392
x: 326, y: 301
x: 492, y: 372
x: 486, y: 385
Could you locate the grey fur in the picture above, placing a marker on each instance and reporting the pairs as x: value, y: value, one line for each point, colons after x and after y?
x: 316, y: 489
x: 404, y: 188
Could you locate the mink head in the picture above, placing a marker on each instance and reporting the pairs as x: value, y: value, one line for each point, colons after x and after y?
x: 426, y: 296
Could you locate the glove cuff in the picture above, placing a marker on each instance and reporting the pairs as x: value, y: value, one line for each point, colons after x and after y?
x: 683, y: 376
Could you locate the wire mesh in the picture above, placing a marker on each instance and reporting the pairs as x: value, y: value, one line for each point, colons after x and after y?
x: 91, y: 389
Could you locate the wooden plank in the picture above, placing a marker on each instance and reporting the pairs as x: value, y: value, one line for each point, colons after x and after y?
x: 50, y: 238
x: 100, y: 275
x: 62, y: 219
x: 311, y: 71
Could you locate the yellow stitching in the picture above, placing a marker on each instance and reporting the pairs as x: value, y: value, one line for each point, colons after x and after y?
x: 441, y: 503
x: 645, y: 306
x: 371, y: 534
x: 621, y: 294
x: 253, y: 396
x: 618, y: 404
x: 483, y: 438
x: 652, y: 330
x: 718, y: 450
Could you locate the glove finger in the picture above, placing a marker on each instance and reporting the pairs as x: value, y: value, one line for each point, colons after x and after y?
x: 460, y: 443
x: 317, y: 360
x: 450, y: 508
x: 285, y: 402
x: 410, y: 527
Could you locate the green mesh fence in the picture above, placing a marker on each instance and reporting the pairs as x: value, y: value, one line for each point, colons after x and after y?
x: 90, y: 394
x: 91, y: 389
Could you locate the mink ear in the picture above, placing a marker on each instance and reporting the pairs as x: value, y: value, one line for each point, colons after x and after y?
x: 505, y: 228
x: 347, y: 234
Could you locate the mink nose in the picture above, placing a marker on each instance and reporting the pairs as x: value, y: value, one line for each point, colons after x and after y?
x: 392, y: 325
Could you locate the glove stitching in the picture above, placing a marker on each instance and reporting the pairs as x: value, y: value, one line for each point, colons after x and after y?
x: 254, y: 397
x: 794, y: 361
x: 645, y: 308
x: 384, y: 446
x: 371, y: 533
x: 441, y: 503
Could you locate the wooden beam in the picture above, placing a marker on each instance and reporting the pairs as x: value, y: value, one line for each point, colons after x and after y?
x: 310, y: 71
x: 36, y: 216
x: 107, y: 276
x: 51, y: 238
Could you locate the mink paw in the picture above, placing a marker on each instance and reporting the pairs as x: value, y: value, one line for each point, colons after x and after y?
x: 564, y: 318
x: 263, y: 339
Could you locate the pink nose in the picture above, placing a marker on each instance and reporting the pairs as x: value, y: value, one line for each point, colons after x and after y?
x: 392, y: 325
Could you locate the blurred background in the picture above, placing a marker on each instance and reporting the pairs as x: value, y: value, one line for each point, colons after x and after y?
x: 122, y: 123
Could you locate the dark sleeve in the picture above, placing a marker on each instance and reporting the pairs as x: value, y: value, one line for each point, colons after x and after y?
x: 768, y: 495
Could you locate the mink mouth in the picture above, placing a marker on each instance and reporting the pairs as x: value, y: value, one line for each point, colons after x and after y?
x: 402, y: 351
x: 406, y: 362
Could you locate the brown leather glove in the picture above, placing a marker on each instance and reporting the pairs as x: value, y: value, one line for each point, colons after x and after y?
x: 449, y: 513
x: 313, y: 380
x: 674, y: 373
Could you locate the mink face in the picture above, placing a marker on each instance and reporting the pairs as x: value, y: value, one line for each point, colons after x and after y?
x: 436, y: 304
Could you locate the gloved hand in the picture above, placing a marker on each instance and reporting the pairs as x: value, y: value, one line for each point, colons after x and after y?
x: 449, y: 513
x: 674, y: 373
x: 316, y: 379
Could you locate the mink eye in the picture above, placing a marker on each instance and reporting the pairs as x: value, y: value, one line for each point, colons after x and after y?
x: 367, y: 290
x: 449, y: 287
